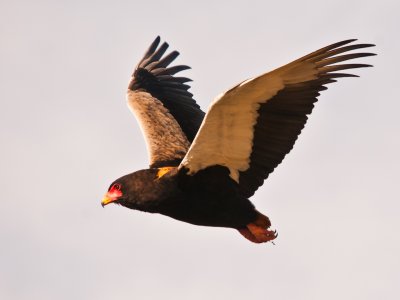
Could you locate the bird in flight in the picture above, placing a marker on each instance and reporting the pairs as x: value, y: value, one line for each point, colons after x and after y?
x: 204, y: 167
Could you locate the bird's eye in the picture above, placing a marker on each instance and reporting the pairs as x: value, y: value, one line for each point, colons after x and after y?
x: 117, y: 187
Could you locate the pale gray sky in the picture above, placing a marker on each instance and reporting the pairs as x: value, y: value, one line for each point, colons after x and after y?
x: 67, y: 134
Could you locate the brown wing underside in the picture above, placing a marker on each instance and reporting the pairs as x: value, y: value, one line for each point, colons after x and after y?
x: 168, y: 114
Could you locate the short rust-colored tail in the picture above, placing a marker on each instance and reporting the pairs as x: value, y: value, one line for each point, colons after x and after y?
x: 262, y: 220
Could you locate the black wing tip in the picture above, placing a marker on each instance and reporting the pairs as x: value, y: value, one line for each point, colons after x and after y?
x: 357, y: 66
x: 367, y: 45
x: 153, y: 47
x: 353, y: 40
x: 344, y: 45
x: 365, y: 54
x: 154, y: 73
x: 155, y: 56
x: 156, y: 41
x: 348, y: 41
x: 341, y: 43
x: 356, y: 46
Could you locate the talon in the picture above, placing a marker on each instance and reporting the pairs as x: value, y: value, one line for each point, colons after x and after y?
x: 258, y: 234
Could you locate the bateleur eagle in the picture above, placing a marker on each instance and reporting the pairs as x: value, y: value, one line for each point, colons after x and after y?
x: 204, y: 167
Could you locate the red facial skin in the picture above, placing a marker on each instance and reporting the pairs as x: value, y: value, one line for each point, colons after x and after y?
x: 112, y: 195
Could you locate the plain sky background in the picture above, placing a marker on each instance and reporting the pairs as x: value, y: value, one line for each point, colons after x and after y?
x: 66, y: 134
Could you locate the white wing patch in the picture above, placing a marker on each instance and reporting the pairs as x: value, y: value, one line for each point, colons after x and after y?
x: 226, y: 134
x: 164, y: 137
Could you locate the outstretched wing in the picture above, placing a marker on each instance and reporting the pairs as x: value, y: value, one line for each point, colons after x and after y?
x: 250, y: 128
x: 168, y: 115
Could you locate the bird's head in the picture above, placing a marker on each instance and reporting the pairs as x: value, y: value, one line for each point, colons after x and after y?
x: 123, y: 190
x: 114, y: 194
x: 139, y: 190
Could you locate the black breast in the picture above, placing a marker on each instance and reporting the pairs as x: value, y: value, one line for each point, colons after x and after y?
x: 210, y: 198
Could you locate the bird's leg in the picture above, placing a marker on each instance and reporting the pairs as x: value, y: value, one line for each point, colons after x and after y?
x: 258, y: 234
x: 257, y: 231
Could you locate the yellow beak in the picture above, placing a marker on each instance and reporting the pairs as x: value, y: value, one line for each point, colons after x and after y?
x: 106, y: 200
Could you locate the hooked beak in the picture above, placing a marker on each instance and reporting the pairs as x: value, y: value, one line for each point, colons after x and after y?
x: 112, y: 195
x: 107, y: 200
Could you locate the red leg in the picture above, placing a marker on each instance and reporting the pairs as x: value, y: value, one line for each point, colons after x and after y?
x: 258, y: 234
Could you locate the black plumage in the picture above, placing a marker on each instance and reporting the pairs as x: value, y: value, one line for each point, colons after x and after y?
x: 205, y: 175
